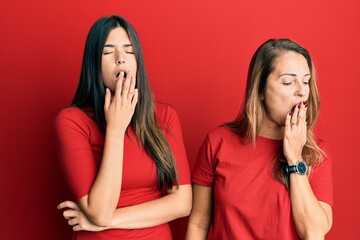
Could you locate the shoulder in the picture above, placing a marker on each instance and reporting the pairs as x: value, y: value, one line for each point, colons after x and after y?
x: 73, y: 115
x: 325, y: 150
x: 165, y: 114
x: 322, y: 145
x: 70, y: 112
x: 222, y: 133
x: 326, y: 160
x: 222, y: 137
x: 163, y: 109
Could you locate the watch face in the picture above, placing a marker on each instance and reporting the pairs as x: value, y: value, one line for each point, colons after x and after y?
x: 302, y: 168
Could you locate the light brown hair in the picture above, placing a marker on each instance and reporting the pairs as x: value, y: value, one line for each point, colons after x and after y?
x: 248, y: 121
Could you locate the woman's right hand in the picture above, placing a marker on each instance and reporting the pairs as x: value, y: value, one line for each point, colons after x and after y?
x: 76, y: 218
x: 120, y: 107
x: 295, y: 134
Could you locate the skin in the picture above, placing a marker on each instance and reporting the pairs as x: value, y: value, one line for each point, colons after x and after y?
x: 120, y: 101
x: 97, y: 211
x: 118, y: 57
x: 287, y: 86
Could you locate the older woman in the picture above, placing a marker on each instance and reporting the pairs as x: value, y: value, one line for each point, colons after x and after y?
x: 264, y: 175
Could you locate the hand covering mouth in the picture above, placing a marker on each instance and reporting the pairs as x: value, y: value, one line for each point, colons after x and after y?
x: 117, y: 75
x: 298, y: 104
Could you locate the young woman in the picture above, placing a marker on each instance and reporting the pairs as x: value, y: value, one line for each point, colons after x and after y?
x: 264, y: 175
x: 122, y: 154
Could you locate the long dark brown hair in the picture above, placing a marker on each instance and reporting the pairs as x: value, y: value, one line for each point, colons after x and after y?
x: 91, y: 92
x: 248, y: 121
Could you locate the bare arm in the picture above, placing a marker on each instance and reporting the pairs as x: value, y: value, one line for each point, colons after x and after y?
x: 176, y: 204
x: 153, y: 213
x: 100, y: 205
x: 312, y: 218
x: 200, y: 217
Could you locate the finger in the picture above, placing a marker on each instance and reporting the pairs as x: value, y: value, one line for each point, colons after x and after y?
x: 302, y: 113
x: 134, y: 100
x: 132, y: 88
x: 77, y: 228
x: 67, y: 204
x: 126, y: 85
x: 73, y: 221
x: 70, y: 214
x: 107, y: 99
x: 295, y: 114
x: 287, y: 122
x: 118, y: 87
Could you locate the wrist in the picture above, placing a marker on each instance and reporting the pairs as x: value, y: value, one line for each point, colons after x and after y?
x: 300, y: 168
x: 293, y: 160
x: 115, y: 133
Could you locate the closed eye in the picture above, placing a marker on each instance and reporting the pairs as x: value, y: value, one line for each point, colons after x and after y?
x: 106, y: 53
x: 130, y: 52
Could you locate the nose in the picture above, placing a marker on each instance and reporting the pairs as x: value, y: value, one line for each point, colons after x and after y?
x: 300, y: 90
x: 120, y: 59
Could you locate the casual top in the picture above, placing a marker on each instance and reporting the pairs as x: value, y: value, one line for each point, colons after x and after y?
x: 80, y: 148
x: 249, y: 203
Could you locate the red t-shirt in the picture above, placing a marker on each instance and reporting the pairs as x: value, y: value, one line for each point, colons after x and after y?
x: 80, y: 147
x: 249, y: 203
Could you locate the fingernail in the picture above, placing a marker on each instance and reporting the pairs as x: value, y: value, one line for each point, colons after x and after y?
x: 290, y: 113
x: 299, y: 105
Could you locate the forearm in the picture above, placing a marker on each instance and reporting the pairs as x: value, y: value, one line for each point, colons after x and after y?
x: 197, y: 231
x: 155, y: 212
x: 100, y: 204
x: 310, y: 218
x: 200, y: 217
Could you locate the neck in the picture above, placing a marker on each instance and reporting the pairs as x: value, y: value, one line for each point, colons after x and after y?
x: 272, y: 130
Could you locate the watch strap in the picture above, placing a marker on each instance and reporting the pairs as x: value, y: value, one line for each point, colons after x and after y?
x: 290, y: 169
x: 300, y: 168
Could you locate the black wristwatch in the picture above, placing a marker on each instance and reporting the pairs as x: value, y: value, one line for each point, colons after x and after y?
x: 299, y: 168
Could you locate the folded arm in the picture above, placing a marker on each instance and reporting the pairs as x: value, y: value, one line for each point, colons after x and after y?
x: 176, y: 204
x: 100, y: 203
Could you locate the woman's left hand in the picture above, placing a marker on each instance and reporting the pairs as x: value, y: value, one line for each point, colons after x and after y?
x: 77, y: 219
x: 295, y: 134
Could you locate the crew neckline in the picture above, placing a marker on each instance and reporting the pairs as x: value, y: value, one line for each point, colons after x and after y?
x: 266, y: 139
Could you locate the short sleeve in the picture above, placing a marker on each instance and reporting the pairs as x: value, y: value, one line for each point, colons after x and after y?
x: 169, y: 121
x: 74, y: 150
x: 204, y: 168
x: 321, y: 179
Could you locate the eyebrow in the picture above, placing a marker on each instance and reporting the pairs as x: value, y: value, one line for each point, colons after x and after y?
x: 293, y: 74
x: 112, y: 45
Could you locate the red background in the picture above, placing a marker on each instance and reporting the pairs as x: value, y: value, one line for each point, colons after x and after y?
x: 197, y: 54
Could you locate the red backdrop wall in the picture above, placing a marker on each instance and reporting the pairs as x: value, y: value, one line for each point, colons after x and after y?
x: 197, y: 54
